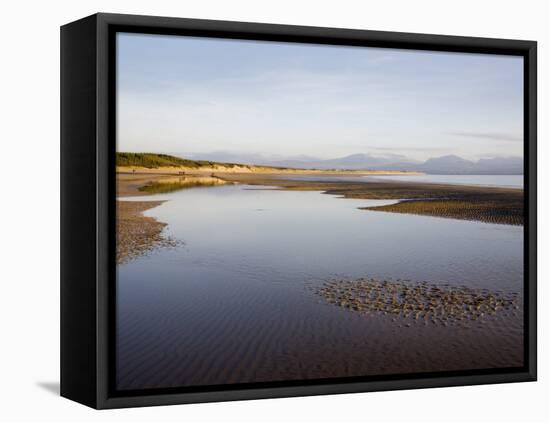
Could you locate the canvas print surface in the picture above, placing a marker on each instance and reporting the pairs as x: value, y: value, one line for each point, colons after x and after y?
x: 291, y: 212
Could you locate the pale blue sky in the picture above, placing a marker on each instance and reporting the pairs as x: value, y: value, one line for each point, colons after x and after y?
x: 187, y: 94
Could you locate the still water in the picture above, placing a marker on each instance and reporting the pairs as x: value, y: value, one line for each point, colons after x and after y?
x: 505, y: 181
x: 508, y: 181
x: 236, y: 302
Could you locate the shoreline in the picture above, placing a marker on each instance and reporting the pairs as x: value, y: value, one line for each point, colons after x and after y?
x: 253, y: 169
x: 463, y: 202
x: 499, y: 205
x: 138, y: 234
x: 359, y: 321
x: 137, y: 184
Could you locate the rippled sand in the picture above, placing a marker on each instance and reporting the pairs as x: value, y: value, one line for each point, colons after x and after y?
x: 188, y: 322
x: 299, y: 336
x: 477, y: 203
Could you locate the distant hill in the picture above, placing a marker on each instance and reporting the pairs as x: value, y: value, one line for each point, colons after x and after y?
x: 450, y: 164
x: 455, y: 165
x: 352, y: 162
x: 512, y: 165
x: 444, y: 165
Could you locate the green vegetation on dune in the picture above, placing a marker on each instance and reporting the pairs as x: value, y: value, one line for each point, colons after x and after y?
x: 152, y: 161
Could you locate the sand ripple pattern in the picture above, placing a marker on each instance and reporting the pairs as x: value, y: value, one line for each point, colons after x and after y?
x: 420, y: 302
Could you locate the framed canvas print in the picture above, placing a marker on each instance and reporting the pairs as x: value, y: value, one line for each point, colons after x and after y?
x: 255, y: 211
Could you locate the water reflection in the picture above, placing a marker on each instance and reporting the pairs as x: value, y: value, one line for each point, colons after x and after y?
x: 238, y: 303
x: 176, y: 183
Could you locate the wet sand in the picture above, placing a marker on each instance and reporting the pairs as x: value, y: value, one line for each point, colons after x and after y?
x: 139, y: 184
x: 297, y: 338
x: 137, y: 234
x: 483, y: 204
x: 197, y: 331
x: 418, y: 303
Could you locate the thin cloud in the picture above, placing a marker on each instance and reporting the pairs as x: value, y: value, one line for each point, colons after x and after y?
x: 489, y: 136
x: 403, y: 148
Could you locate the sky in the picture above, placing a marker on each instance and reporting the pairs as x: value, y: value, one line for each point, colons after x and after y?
x: 199, y: 95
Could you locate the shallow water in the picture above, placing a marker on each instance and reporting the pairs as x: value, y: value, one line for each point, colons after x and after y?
x: 505, y: 181
x: 238, y: 303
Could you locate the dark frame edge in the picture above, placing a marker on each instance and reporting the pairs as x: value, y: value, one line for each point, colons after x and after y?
x: 78, y: 359
x: 106, y: 188
x: 313, y: 390
x: 416, y: 40
x: 531, y: 157
x: 102, y: 160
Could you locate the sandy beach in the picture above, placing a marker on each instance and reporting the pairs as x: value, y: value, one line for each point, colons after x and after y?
x: 249, y: 169
x: 131, y: 185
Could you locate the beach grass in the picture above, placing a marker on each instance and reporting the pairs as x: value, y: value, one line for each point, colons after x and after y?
x: 154, y: 161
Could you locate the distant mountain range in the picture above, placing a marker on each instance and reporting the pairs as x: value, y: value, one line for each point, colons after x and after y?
x: 450, y: 164
x: 457, y: 165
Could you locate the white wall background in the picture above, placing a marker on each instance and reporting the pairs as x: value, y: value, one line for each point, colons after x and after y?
x: 29, y: 185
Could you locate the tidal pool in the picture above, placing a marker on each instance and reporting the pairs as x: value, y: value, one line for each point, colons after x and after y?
x: 237, y: 301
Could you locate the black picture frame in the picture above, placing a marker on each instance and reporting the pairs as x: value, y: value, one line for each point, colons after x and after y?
x: 88, y: 107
